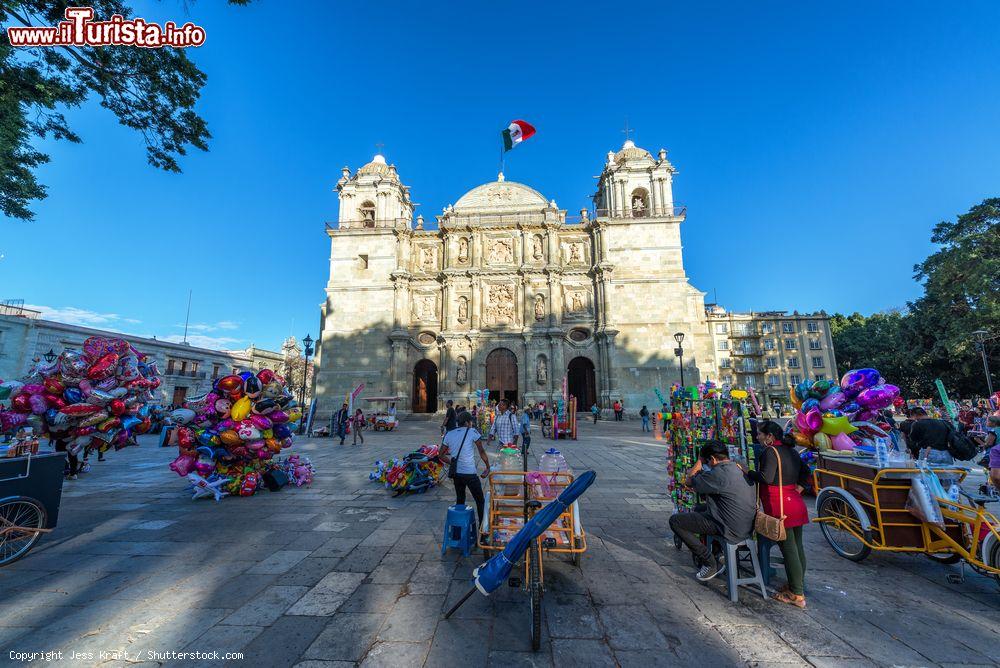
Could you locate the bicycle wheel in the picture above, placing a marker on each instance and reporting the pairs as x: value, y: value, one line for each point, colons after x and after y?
x: 20, y: 520
x: 945, y: 558
x: 843, y: 537
x: 535, y: 593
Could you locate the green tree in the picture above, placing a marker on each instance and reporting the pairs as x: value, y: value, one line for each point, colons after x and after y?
x: 961, y: 295
x: 877, y: 341
x: 152, y: 91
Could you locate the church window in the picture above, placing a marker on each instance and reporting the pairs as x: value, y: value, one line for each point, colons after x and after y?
x: 363, y: 260
x: 367, y: 212
x: 640, y: 203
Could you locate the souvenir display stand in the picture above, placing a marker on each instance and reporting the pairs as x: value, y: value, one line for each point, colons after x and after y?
x: 565, y: 419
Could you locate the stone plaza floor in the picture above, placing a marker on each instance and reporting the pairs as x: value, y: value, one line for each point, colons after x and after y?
x: 341, y: 573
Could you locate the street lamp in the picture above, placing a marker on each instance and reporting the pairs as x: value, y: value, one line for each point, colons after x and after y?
x: 50, y: 356
x: 307, y: 349
x: 679, y: 352
x: 981, y: 336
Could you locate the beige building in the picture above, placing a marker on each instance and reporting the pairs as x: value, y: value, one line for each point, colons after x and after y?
x: 509, y: 293
x: 185, y: 370
x: 771, y: 351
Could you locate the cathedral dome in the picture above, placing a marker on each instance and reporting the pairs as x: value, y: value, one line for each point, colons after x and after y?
x: 376, y: 166
x: 505, y: 195
x: 630, y: 151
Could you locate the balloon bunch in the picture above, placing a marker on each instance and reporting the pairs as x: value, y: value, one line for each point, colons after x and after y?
x: 828, y: 414
x: 233, y: 432
x: 416, y: 472
x: 300, y: 470
x: 95, y: 399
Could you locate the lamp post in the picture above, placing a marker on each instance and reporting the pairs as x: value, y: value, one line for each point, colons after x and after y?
x: 981, y: 336
x: 307, y: 351
x: 50, y: 356
x: 679, y: 352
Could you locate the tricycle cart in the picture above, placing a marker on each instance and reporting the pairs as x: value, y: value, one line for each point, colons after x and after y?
x: 382, y: 416
x: 30, y: 491
x: 862, y: 507
x: 515, y: 496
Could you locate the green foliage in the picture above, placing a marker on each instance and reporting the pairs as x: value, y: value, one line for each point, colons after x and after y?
x: 152, y: 91
x: 934, y: 339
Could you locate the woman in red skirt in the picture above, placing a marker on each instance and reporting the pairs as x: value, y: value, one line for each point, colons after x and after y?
x: 782, y: 477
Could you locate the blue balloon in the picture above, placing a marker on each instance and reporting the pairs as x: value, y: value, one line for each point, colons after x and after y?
x: 73, y: 395
x: 282, y: 431
x: 246, y: 375
x: 809, y: 404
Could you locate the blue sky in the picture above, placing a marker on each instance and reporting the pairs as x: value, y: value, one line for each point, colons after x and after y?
x: 817, y: 146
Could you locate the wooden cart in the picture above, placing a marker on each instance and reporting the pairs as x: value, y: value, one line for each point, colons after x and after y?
x: 862, y: 507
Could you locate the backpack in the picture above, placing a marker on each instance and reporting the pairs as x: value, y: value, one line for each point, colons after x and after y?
x: 961, y: 446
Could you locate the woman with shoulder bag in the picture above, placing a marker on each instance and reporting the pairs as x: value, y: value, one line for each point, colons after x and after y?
x: 782, y: 477
x: 462, y: 464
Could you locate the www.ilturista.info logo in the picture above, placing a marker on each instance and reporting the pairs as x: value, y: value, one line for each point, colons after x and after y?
x: 79, y: 29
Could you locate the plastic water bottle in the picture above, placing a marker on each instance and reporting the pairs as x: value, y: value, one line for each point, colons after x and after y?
x: 954, y: 492
x: 881, y: 452
x: 553, y: 462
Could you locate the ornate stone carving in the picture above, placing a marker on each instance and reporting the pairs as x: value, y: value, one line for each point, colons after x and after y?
x: 463, y: 309
x: 461, y: 372
x: 463, y: 250
x: 576, y: 302
x: 500, y: 304
x: 425, y: 307
x: 541, y: 370
x: 426, y: 338
x: 536, y: 247
x: 501, y: 251
x: 499, y: 195
x: 539, y: 307
x: 428, y: 258
x: 575, y: 253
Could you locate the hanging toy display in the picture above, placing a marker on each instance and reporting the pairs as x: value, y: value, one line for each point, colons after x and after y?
x: 96, y: 399
x: 228, y: 439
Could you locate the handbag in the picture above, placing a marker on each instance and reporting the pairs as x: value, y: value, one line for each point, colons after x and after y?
x: 453, y: 466
x: 772, y: 528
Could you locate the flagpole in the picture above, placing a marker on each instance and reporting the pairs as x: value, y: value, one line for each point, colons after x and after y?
x: 501, y: 154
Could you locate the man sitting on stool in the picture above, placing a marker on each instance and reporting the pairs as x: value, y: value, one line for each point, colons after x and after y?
x: 731, y: 503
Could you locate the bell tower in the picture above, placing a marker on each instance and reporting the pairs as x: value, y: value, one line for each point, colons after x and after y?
x: 634, y: 185
x: 374, y: 197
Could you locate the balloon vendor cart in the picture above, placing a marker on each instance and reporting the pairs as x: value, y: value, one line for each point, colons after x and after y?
x: 381, y: 417
x: 692, y: 423
x: 30, y: 493
x: 564, y: 420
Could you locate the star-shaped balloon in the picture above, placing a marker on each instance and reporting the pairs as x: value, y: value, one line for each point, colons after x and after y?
x: 210, y: 487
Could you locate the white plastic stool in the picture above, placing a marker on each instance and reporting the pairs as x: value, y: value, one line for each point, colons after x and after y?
x: 733, y: 579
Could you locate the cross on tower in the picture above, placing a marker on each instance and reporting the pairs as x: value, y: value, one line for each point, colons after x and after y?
x: 378, y: 148
x: 628, y: 131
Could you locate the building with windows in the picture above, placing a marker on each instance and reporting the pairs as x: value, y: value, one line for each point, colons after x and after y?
x: 771, y: 351
x: 185, y: 370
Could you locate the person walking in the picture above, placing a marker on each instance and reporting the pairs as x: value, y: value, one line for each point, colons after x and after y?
x: 450, y: 418
x: 729, y: 509
x: 61, y: 444
x: 524, y: 420
x: 505, y: 427
x: 644, y: 415
x: 619, y: 410
x: 357, y: 424
x: 459, y: 443
x: 340, y: 419
x: 595, y: 411
x: 781, y: 479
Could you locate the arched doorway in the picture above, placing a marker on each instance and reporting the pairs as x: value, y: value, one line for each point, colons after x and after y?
x: 501, y: 374
x: 581, y: 382
x: 425, y: 387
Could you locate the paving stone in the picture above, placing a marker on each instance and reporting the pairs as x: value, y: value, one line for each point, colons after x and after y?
x: 373, y: 598
x: 285, y: 641
x: 581, y: 653
x: 571, y: 616
x: 508, y: 659
x: 396, y: 654
x: 266, y: 607
x: 394, y: 569
x: 759, y: 644
x: 224, y: 639
x: 460, y: 643
x: 309, y: 571
x: 412, y: 619
x: 648, y: 658
x: 281, y: 561
x: 328, y: 594
x: 347, y: 637
x: 630, y: 627
x: 363, y: 559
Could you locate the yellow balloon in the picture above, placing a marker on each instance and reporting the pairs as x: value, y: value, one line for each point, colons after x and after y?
x: 738, y: 394
x: 241, y: 409
x: 796, y: 402
x: 802, y: 439
x: 821, y: 441
x: 294, y: 416
x: 836, y: 425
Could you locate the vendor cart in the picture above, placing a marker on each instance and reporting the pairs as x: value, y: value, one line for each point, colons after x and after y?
x: 30, y: 492
x: 383, y: 413
x: 862, y: 507
x: 514, y: 496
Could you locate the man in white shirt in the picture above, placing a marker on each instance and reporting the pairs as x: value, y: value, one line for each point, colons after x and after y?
x: 505, y: 427
x: 461, y: 444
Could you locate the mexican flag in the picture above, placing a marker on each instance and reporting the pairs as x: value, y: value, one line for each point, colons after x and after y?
x: 516, y: 133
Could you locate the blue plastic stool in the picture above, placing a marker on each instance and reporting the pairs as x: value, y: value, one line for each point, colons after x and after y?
x: 459, y: 529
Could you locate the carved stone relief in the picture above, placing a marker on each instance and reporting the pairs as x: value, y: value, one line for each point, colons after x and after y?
x: 537, y: 250
x: 575, y: 253
x: 539, y: 307
x: 463, y: 309
x: 500, y: 304
x: 428, y: 258
x: 463, y: 251
x: 541, y: 370
x: 461, y: 372
x: 425, y: 307
x: 501, y: 251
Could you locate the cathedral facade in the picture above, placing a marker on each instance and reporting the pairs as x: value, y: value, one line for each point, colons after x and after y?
x: 510, y: 294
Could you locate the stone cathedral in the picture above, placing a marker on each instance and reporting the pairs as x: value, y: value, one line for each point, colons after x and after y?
x: 510, y: 294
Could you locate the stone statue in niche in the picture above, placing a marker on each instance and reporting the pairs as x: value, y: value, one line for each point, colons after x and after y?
x: 427, y: 307
x: 463, y: 250
x: 638, y: 206
x: 463, y: 309
x: 500, y: 305
x: 501, y: 252
x: 427, y: 259
x: 536, y: 247
x: 462, y: 372
x: 575, y: 254
x: 542, y: 371
x: 576, y: 301
x: 539, y: 307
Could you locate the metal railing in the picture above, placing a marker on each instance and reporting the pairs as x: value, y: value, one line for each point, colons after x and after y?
x: 674, y: 211
x: 186, y: 373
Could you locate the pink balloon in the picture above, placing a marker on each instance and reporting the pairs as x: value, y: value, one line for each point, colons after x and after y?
x: 841, y: 442
x: 814, y: 420
x: 183, y: 465
x: 832, y: 401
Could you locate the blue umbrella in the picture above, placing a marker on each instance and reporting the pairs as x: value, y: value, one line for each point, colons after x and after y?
x: 494, y: 572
